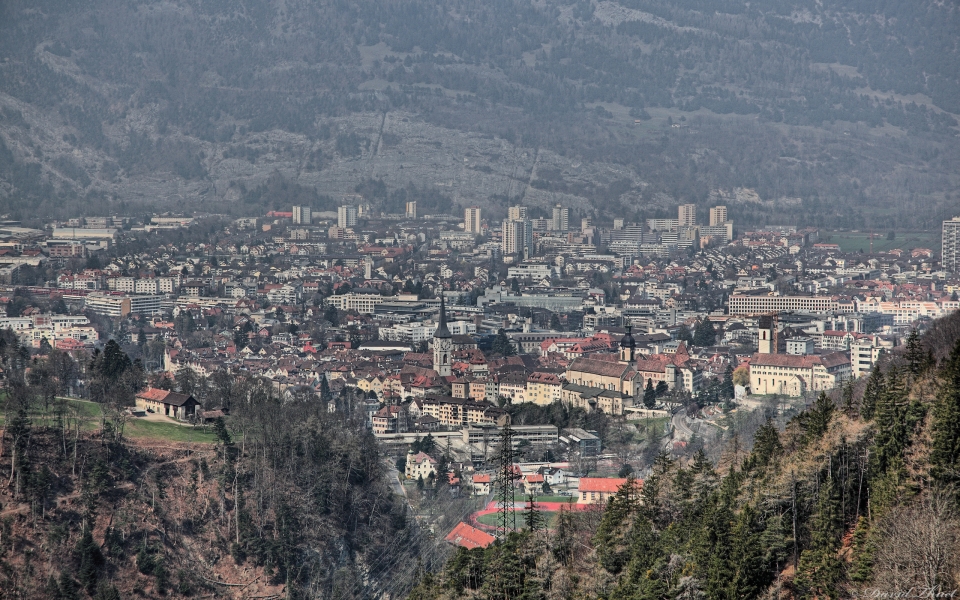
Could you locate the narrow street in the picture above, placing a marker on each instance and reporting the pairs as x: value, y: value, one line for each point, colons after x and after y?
x: 394, y: 477
x: 679, y: 422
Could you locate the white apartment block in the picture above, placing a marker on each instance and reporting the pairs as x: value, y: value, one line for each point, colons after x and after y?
x: 663, y: 224
x: 17, y: 324
x: 286, y: 294
x: 362, y: 303
x: 110, y: 305
x: 61, y: 321
x: 423, y: 332
x: 865, y: 352
x: 743, y: 304
x: 147, y: 286
x: 408, y: 332
x: 721, y: 231
x: 31, y: 330
x: 78, y: 282
x: 122, y: 284
x: 169, y: 285
x: 535, y: 271
x: 907, y: 311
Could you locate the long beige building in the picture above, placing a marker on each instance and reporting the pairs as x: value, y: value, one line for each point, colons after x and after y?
x: 792, y: 375
x: 748, y: 304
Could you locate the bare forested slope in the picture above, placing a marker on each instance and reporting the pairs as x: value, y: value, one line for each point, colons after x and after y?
x: 838, y: 112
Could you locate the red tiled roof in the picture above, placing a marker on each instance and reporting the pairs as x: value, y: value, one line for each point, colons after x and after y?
x: 165, y: 396
x: 469, y: 537
x: 800, y: 361
x: 421, y: 456
x: 600, y: 484
x: 154, y: 394
x: 599, y: 367
x: 541, y: 377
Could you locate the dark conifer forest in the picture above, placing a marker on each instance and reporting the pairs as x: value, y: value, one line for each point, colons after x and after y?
x: 858, y: 495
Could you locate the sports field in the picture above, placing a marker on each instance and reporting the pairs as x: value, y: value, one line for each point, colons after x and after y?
x: 486, y: 518
x: 854, y: 241
x: 550, y: 518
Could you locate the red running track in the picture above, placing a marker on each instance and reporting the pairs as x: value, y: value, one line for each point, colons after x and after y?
x: 543, y: 506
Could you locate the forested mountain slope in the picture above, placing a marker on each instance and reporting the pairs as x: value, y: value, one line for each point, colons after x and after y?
x: 856, y: 497
x: 290, y: 502
x: 838, y: 111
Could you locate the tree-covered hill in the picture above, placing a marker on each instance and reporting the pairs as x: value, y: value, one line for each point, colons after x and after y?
x: 856, y: 496
x: 290, y: 501
x: 844, y: 104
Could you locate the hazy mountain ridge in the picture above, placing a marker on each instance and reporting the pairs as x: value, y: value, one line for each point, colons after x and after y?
x: 177, y: 102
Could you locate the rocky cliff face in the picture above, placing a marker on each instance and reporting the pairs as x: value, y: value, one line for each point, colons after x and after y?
x: 90, y: 516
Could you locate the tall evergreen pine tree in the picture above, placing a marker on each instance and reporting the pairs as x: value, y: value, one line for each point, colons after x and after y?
x: 649, y: 395
x: 821, y: 570
x: 945, y: 451
x: 872, y: 393
x: 891, y: 436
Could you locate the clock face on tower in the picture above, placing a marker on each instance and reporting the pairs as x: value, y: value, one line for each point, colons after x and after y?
x: 441, y: 356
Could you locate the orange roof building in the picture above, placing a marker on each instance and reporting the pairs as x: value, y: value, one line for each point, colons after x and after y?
x: 597, y: 490
x: 165, y: 402
x: 469, y: 537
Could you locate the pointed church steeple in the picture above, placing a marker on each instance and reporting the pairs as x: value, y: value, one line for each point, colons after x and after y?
x: 442, y: 331
x: 442, y: 344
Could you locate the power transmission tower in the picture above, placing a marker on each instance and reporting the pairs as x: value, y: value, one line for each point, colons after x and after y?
x: 506, y: 476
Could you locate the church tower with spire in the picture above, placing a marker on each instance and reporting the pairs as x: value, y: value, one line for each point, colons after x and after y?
x: 628, y: 347
x: 442, y: 344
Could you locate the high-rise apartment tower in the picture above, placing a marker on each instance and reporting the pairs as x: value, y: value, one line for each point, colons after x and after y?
x: 471, y: 219
x: 301, y: 215
x: 951, y: 245
x: 718, y: 215
x: 347, y: 216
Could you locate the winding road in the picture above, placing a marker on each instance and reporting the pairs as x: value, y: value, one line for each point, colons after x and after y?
x: 679, y: 422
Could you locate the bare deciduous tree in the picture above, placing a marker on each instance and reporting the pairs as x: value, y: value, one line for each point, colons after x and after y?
x: 921, y: 545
